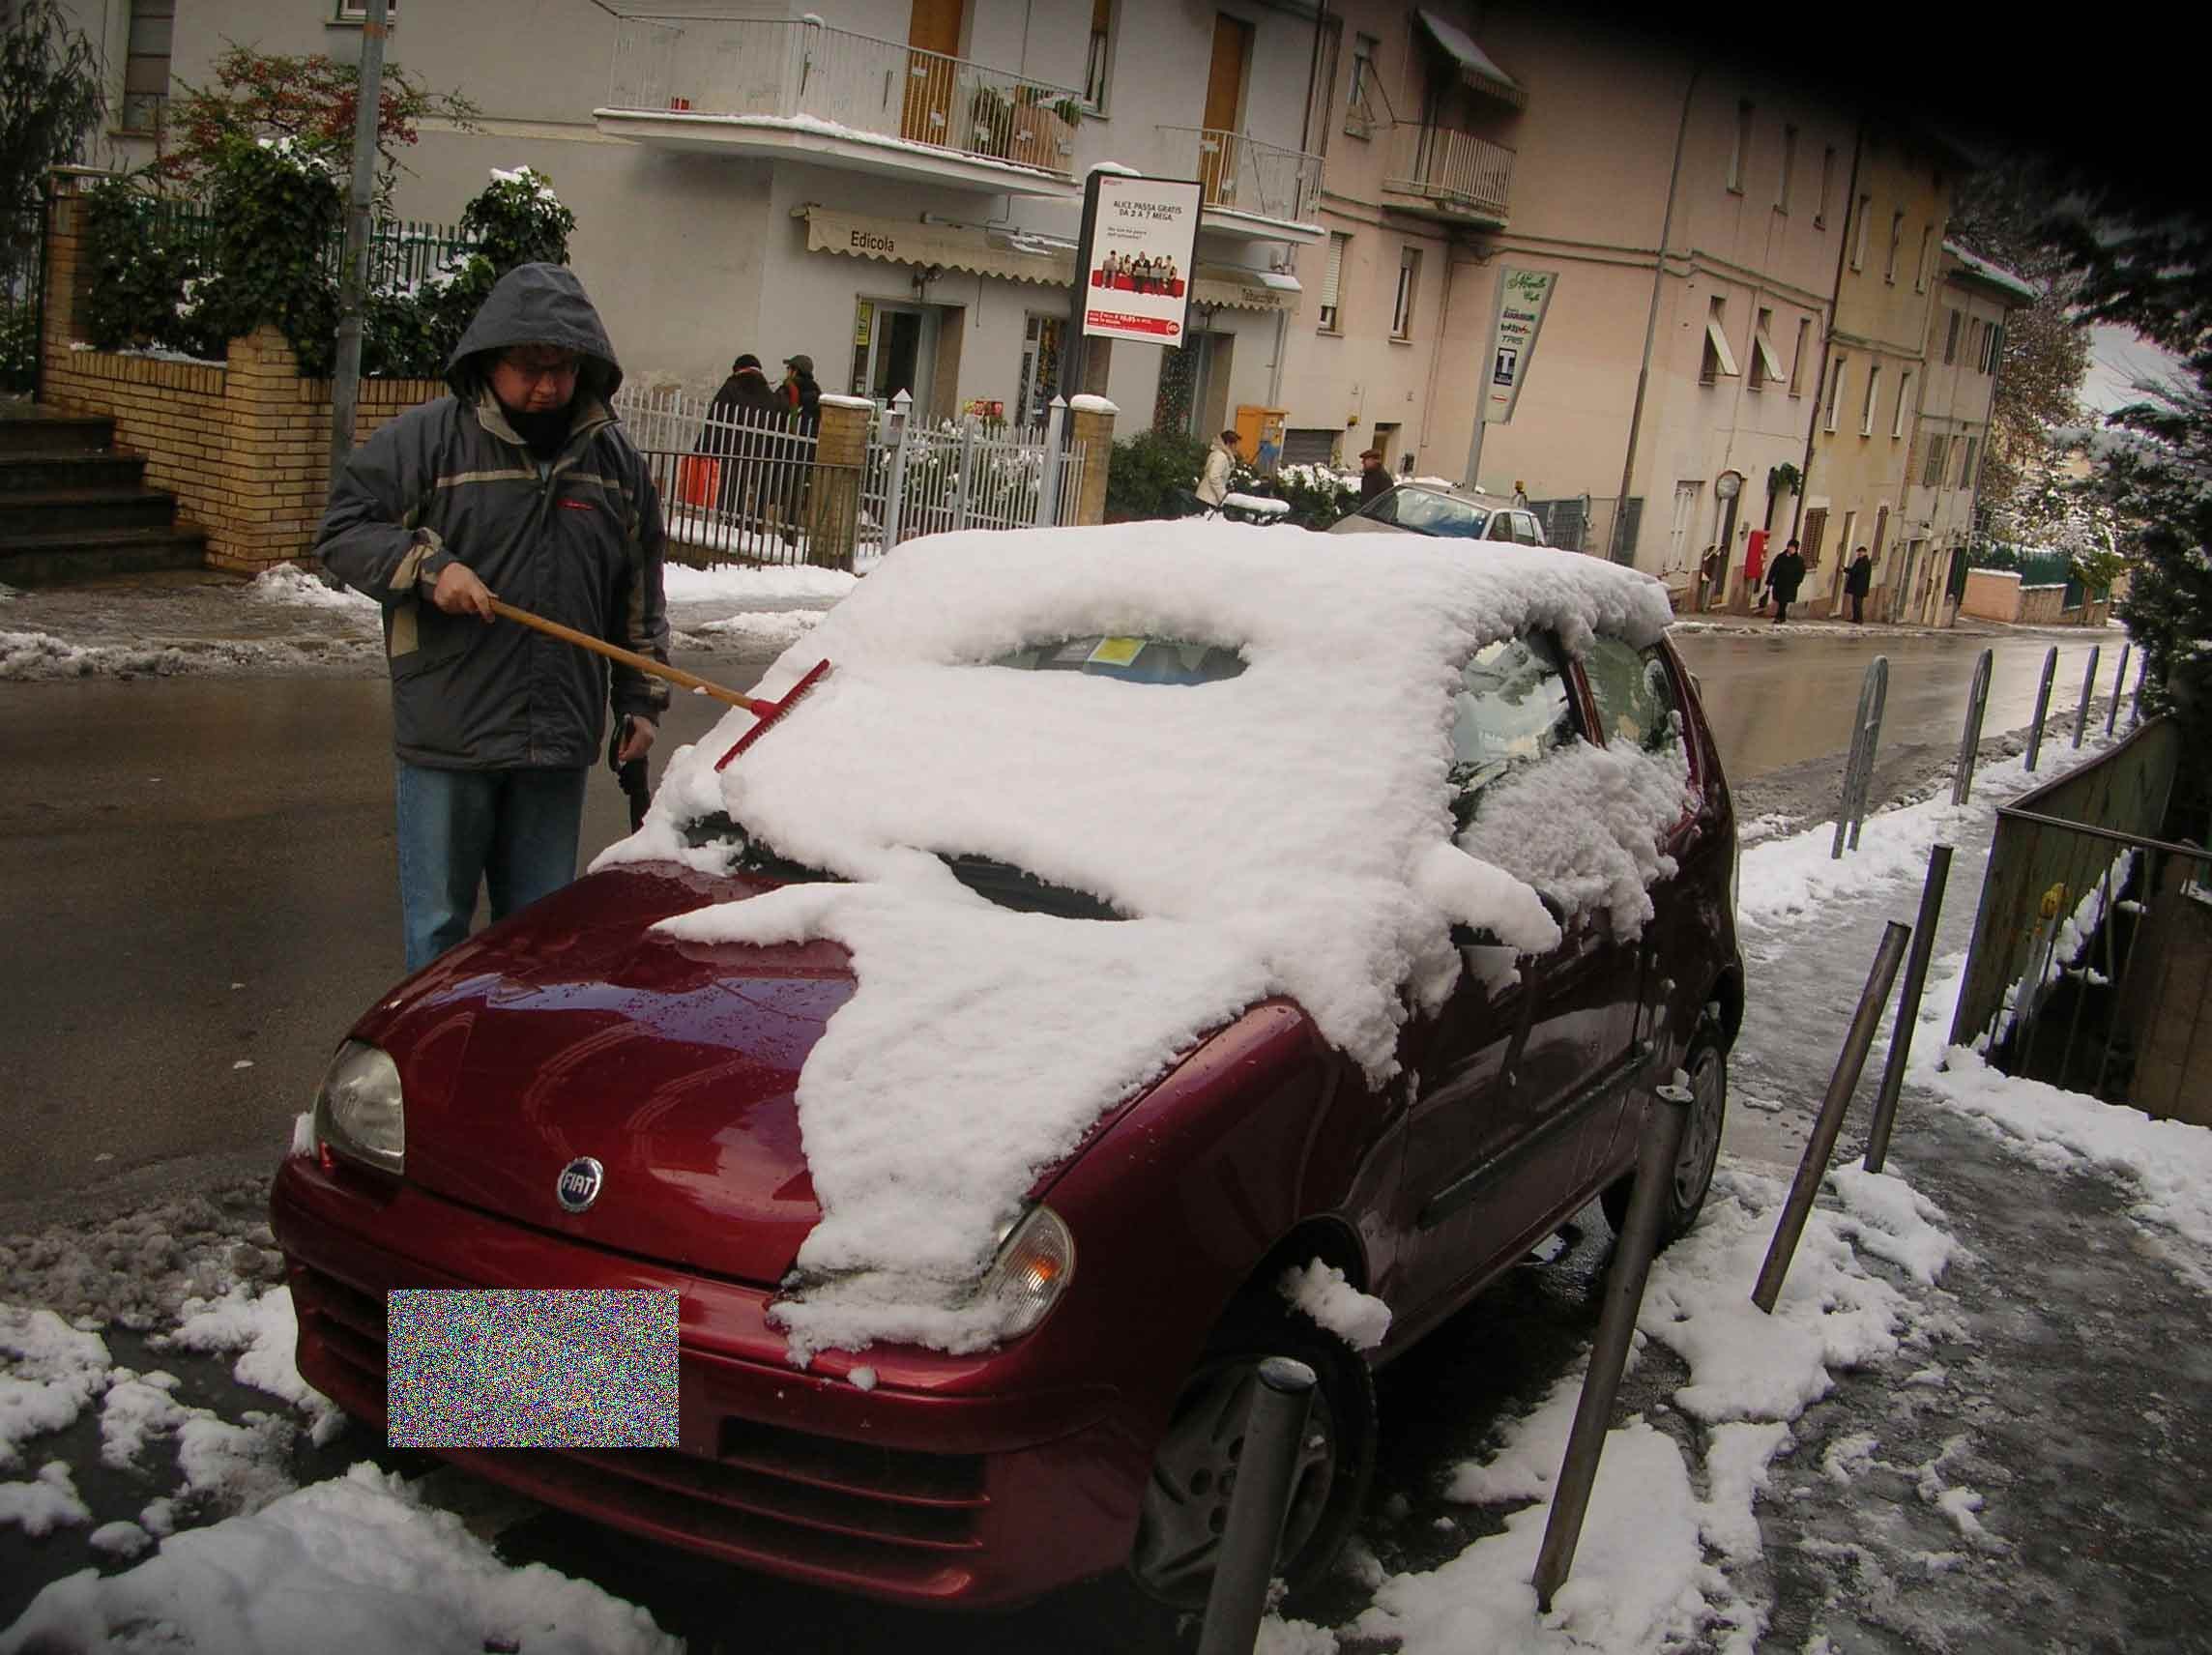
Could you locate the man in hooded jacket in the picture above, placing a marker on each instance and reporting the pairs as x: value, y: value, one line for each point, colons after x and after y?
x: 519, y: 484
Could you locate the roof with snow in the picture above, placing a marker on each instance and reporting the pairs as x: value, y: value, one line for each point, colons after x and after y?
x: 1282, y: 828
x: 1978, y: 268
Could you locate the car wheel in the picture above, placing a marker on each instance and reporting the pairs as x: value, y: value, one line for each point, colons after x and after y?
x: 1185, y: 1506
x: 1707, y: 1068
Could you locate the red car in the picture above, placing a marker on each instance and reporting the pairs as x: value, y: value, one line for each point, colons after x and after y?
x: 1100, y: 1429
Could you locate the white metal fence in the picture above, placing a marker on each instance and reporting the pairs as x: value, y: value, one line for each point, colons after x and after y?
x: 920, y: 481
x: 1456, y: 169
x: 1242, y: 174
x: 800, y: 67
x: 733, y: 487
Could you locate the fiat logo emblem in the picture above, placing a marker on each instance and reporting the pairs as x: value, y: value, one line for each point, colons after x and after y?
x: 580, y: 1183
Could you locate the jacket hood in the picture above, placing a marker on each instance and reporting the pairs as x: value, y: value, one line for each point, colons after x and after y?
x: 536, y: 304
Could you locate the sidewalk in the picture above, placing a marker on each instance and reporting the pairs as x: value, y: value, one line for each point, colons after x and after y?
x: 1717, y: 620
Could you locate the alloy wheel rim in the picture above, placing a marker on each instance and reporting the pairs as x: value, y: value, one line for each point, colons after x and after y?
x: 1702, y: 1132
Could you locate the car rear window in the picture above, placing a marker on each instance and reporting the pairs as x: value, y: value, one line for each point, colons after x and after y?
x: 1427, y: 513
x: 1135, y: 659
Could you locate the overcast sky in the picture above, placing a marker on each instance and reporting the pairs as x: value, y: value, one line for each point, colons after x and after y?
x: 2117, y: 360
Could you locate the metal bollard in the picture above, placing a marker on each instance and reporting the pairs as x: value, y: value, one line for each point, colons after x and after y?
x: 1970, y: 742
x: 1858, y: 769
x: 1615, y: 1325
x: 1909, y: 1005
x: 2119, y: 683
x: 2088, y: 689
x: 1849, y: 1062
x: 1257, y: 1507
x: 2042, y: 707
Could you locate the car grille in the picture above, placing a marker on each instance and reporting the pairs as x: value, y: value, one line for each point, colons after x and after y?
x: 770, y: 1492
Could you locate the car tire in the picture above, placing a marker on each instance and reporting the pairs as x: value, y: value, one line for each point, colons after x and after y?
x: 1707, y: 1067
x: 1186, y: 1503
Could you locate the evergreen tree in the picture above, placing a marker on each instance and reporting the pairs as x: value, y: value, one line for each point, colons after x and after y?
x: 49, y: 97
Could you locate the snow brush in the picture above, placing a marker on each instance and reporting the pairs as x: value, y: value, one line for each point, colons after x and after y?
x: 766, y: 712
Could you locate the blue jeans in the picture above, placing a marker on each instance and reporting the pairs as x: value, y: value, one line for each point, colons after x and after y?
x: 515, y: 830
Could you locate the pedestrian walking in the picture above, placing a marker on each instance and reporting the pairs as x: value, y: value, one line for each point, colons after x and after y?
x: 800, y: 398
x: 1709, y: 577
x: 519, y: 484
x: 1856, y: 579
x: 734, y: 431
x: 1374, y: 475
x: 1220, y: 461
x: 1783, y: 578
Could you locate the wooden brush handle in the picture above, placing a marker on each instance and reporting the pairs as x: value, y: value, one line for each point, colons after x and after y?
x: 628, y: 657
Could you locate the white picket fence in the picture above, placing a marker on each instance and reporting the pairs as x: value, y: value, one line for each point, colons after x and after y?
x: 921, y: 479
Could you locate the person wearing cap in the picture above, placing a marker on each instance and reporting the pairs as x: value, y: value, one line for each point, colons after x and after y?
x: 1374, y: 475
x: 1520, y: 494
x: 519, y: 484
x: 802, y: 398
x: 745, y: 403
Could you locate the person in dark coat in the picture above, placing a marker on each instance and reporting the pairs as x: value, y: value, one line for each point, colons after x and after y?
x: 746, y: 401
x: 1784, y: 577
x: 521, y: 484
x: 1374, y: 476
x: 1856, y: 579
x: 802, y: 400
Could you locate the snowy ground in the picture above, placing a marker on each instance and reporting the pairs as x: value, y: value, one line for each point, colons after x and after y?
x: 1977, y: 1421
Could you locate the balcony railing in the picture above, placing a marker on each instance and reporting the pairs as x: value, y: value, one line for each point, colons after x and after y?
x: 1243, y: 175
x: 1456, y: 172
x: 821, y: 79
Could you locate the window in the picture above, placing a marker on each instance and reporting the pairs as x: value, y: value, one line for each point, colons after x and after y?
x: 1835, y: 396
x: 1858, y: 234
x: 1325, y: 81
x: 1408, y: 279
x: 1766, y: 367
x: 1904, y: 402
x: 1873, y: 397
x: 1926, y: 247
x: 1101, y: 53
x: 1719, y: 360
x: 1993, y: 346
x: 1967, y: 465
x: 1679, y: 532
x: 1359, y: 106
x: 1635, y: 693
x: 1896, y: 238
x: 1789, y: 167
x: 1975, y: 339
x: 1739, y: 158
x: 1798, y: 358
x: 1827, y: 179
x: 146, y: 65
x: 1951, y: 336
x: 1962, y: 447
x: 1332, y: 282
x: 1512, y: 708
x: 1939, y: 451
x: 1527, y: 529
x: 356, y: 11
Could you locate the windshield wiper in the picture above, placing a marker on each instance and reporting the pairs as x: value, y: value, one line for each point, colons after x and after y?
x: 750, y: 855
x: 1007, y: 886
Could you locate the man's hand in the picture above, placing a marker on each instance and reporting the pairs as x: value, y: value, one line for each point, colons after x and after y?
x: 637, y: 740
x: 458, y: 591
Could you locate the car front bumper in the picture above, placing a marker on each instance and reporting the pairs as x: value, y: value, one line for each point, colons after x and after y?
x: 930, y: 1488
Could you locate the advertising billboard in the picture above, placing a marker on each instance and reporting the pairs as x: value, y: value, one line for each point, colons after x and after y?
x: 1139, y: 239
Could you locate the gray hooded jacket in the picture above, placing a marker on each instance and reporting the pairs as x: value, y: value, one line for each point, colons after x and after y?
x: 577, y: 541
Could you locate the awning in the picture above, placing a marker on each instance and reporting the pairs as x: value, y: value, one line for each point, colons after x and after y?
x: 904, y: 241
x: 1476, y: 67
x: 1232, y: 288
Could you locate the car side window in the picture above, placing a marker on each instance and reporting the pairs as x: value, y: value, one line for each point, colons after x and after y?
x: 1637, y: 700
x: 1527, y: 529
x: 1428, y: 513
x: 1513, y: 707
x: 1502, y: 526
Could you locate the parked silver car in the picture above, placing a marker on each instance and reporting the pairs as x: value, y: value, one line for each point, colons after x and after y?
x: 1453, y: 513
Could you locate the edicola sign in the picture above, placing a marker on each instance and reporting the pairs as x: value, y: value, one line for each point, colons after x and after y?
x: 1139, y: 239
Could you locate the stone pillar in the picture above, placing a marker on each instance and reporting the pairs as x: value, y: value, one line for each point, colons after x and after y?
x: 1091, y: 428
x: 271, y: 442
x: 833, y: 485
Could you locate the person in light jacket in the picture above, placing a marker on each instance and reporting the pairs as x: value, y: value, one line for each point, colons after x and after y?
x: 1220, y: 462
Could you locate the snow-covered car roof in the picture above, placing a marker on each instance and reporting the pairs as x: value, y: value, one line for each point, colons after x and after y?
x: 1282, y: 830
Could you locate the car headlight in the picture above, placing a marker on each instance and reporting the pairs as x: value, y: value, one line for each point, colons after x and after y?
x: 1035, y: 1264
x: 359, y: 1112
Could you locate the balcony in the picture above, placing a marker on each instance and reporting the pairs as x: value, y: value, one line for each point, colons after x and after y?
x: 801, y: 90
x: 1454, y: 177
x: 1253, y: 190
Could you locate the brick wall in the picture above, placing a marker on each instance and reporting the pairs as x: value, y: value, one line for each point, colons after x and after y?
x: 244, y: 447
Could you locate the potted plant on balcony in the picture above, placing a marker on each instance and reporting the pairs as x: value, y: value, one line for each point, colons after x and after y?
x: 991, y: 115
x: 1043, y: 132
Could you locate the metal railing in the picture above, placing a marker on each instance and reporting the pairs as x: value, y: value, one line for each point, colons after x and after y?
x: 1243, y: 175
x: 401, y: 251
x: 1453, y: 169
x: 2094, y: 937
x: 735, y: 487
x: 923, y: 480
x: 795, y: 69
x: 23, y: 285
x: 1591, y: 523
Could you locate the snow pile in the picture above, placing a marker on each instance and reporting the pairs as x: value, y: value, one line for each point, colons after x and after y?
x: 46, y: 1503
x: 52, y: 1371
x: 745, y: 582
x: 266, y: 1332
x: 780, y: 628
x: 356, y: 1563
x: 1321, y: 1290
x: 1281, y: 831
x: 137, y: 1407
x: 1650, y: 1571
x: 288, y: 583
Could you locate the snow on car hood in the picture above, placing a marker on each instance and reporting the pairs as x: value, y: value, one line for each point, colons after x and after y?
x: 1284, y: 831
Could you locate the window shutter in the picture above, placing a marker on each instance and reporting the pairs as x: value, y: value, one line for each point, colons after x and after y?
x: 1332, y: 276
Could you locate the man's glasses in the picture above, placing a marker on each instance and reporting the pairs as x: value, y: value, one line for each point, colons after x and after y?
x: 535, y: 368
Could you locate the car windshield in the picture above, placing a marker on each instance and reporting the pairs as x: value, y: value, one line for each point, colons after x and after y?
x: 1427, y: 513
x: 747, y: 854
x: 1135, y: 659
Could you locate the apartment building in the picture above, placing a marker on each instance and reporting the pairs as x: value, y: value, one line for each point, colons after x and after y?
x: 1876, y: 368
x: 1963, y: 351
x: 892, y: 186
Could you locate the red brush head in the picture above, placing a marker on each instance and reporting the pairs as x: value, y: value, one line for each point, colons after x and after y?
x: 776, y: 710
